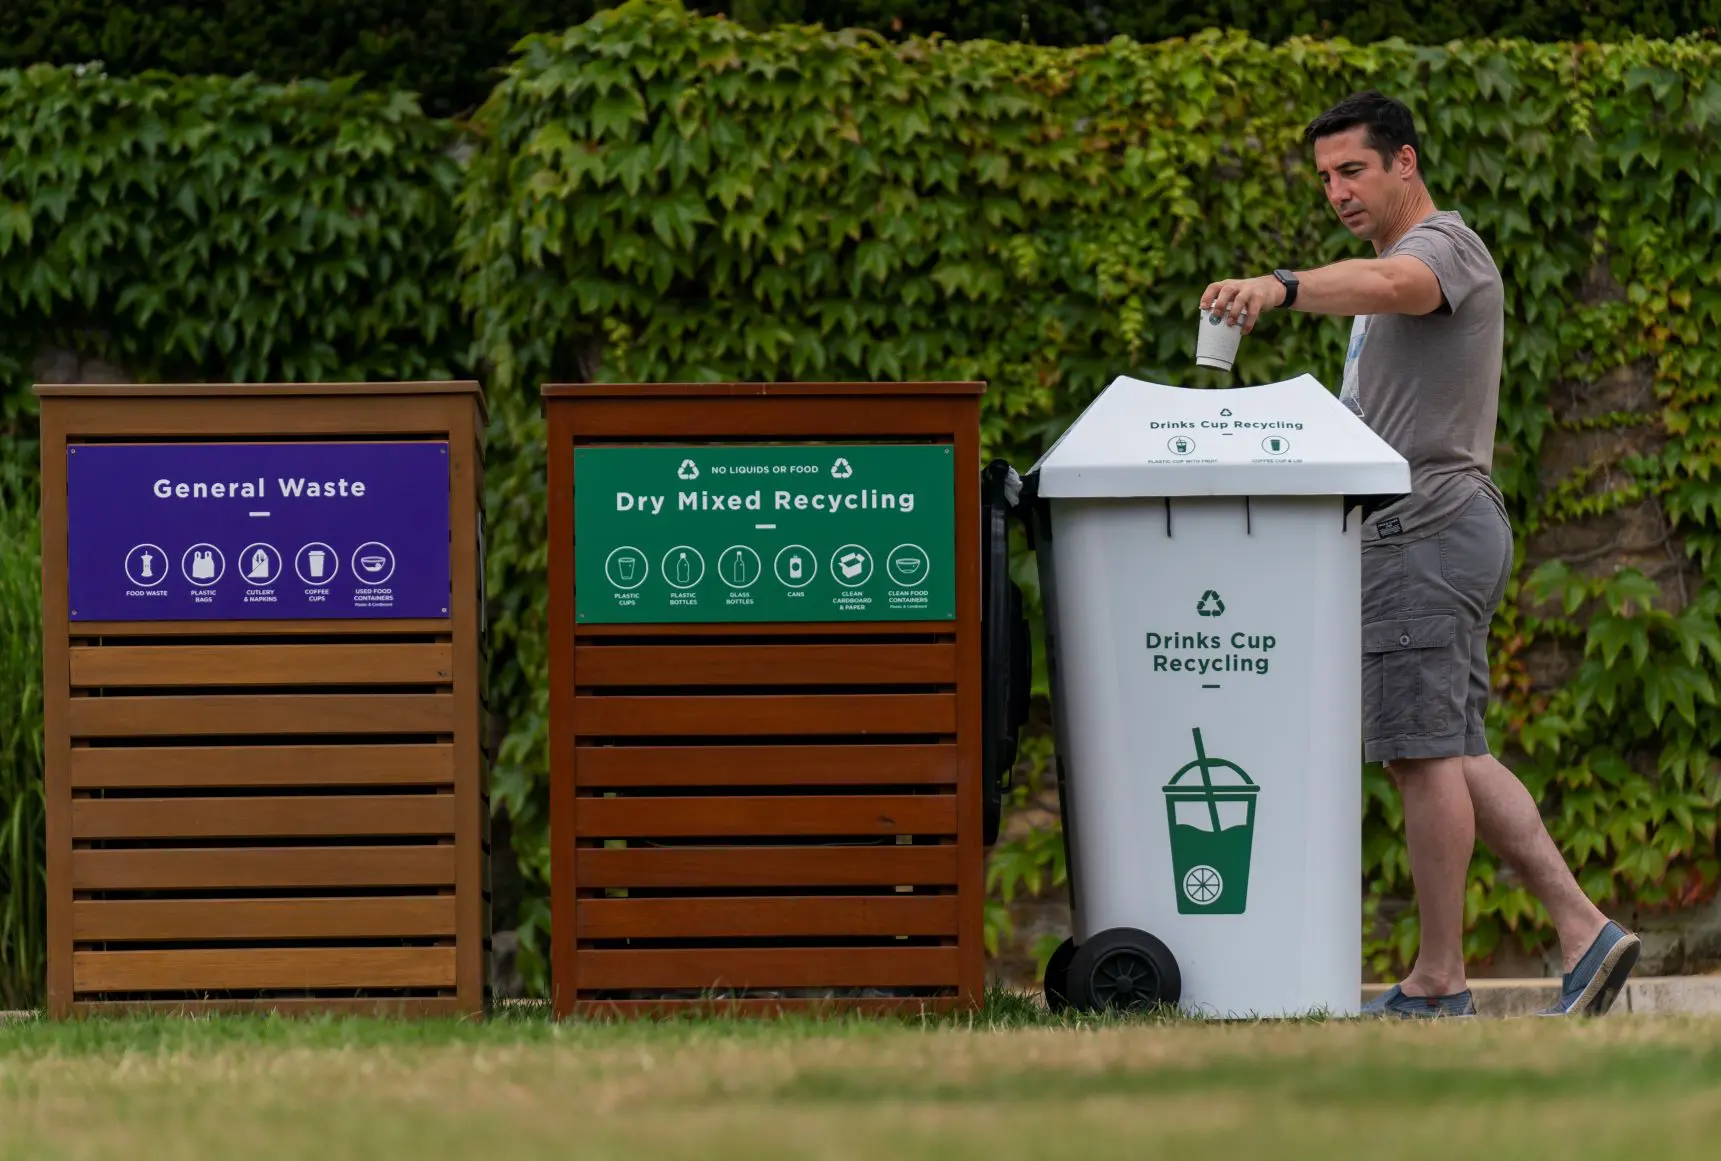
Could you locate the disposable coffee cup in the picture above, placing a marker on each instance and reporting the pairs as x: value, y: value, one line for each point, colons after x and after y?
x: 1216, y: 342
x: 315, y: 559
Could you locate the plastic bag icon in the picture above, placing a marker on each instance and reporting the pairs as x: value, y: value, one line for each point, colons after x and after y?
x: 202, y: 566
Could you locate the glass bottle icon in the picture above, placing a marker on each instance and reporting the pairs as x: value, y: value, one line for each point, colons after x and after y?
x: 683, y: 570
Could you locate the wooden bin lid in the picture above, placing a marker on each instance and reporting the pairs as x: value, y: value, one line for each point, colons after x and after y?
x: 716, y: 390
x: 259, y: 390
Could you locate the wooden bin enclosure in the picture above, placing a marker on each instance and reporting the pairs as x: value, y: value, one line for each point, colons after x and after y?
x: 261, y: 650
x: 765, y: 703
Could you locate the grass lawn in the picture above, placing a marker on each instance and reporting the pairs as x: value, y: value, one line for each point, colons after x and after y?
x: 1010, y: 1084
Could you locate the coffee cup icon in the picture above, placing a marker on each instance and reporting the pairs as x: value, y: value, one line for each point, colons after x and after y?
x: 314, y: 562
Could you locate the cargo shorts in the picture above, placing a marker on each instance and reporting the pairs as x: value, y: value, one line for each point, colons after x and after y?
x: 1426, y: 609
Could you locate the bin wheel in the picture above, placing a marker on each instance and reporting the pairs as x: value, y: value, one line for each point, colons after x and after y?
x: 1057, y: 982
x: 1123, y: 970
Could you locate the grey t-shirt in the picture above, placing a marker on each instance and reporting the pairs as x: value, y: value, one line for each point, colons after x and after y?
x: 1430, y: 384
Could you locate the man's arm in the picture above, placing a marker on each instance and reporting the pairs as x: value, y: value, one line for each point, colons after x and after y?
x: 1397, y: 285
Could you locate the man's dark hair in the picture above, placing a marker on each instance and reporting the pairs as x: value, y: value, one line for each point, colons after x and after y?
x: 1389, y: 123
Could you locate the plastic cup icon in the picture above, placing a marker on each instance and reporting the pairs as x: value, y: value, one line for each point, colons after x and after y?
x: 1212, y: 822
x: 314, y: 560
x: 624, y: 568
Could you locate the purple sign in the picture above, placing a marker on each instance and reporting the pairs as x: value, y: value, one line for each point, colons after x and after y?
x: 257, y: 531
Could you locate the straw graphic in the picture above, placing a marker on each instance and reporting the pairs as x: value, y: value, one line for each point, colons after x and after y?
x: 1206, y: 779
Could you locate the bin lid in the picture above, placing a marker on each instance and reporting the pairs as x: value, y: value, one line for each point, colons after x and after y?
x: 1291, y: 438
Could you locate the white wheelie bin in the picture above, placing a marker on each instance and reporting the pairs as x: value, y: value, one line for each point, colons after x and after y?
x: 1200, y: 563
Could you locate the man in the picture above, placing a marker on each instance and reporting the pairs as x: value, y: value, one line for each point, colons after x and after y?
x: 1423, y: 370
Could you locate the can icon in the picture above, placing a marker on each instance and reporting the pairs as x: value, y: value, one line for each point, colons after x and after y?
x: 1212, y: 834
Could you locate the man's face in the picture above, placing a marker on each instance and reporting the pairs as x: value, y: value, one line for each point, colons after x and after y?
x: 1365, y: 191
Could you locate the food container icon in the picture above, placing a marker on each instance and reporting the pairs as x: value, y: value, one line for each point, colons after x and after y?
x: 373, y: 563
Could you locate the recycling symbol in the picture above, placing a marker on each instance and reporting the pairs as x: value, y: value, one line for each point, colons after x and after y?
x: 1225, y: 411
x: 1211, y: 605
x: 688, y: 470
x: 841, y: 469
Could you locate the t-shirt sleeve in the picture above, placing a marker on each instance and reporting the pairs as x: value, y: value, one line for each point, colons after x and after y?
x: 1460, y: 263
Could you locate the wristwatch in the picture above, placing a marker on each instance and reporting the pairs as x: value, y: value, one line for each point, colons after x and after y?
x: 1289, y: 281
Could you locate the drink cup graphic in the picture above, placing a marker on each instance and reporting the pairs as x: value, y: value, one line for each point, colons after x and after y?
x: 314, y: 560
x: 1212, y: 818
x: 624, y: 568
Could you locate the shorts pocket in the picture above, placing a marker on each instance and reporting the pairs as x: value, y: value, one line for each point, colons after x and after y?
x: 1407, y: 675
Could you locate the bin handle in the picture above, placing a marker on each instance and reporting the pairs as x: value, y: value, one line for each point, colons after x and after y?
x: 1205, y: 764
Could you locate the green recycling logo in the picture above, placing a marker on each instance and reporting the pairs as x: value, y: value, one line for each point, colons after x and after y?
x: 1210, y: 605
x: 1212, y: 834
x: 841, y: 470
x: 688, y: 470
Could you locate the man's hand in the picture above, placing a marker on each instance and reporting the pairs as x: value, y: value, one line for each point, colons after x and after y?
x: 1243, y: 300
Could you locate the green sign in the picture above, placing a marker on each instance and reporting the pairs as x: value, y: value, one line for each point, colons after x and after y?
x: 765, y: 532
x: 1212, y: 835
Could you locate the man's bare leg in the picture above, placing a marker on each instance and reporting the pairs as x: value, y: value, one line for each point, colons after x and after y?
x: 1508, y: 821
x: 1440, y: 829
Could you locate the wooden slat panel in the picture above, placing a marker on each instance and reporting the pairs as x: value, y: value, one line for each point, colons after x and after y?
x: 116, y: 768
x: 177, y: 665
x: 859, y: 629
x: 238, y: 714
x: 149, y: 416
x: 272, y: 967
x: 620, y: 767
x: 817, y: 915
x: 168, y: 870
x: 381, y: 814
x: 405, y: 627
x: 199, y: 919
x: 834, y: 664
x: 868, y: 814
x: 749, y: 420
x: 402, y: 1009
x: 649, y: 1009
x: 883, y: 866
x: 796, y: 714
x: 826, y: 967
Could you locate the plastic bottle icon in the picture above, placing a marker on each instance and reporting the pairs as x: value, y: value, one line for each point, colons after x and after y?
x: 795, y: 567
x: 259, y: 565
x: 148, y: 566
x: 683, y: 569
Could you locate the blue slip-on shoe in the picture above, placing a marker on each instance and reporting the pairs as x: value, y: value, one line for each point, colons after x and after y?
x: 1394, y: 1003
x: 1591, y: 987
